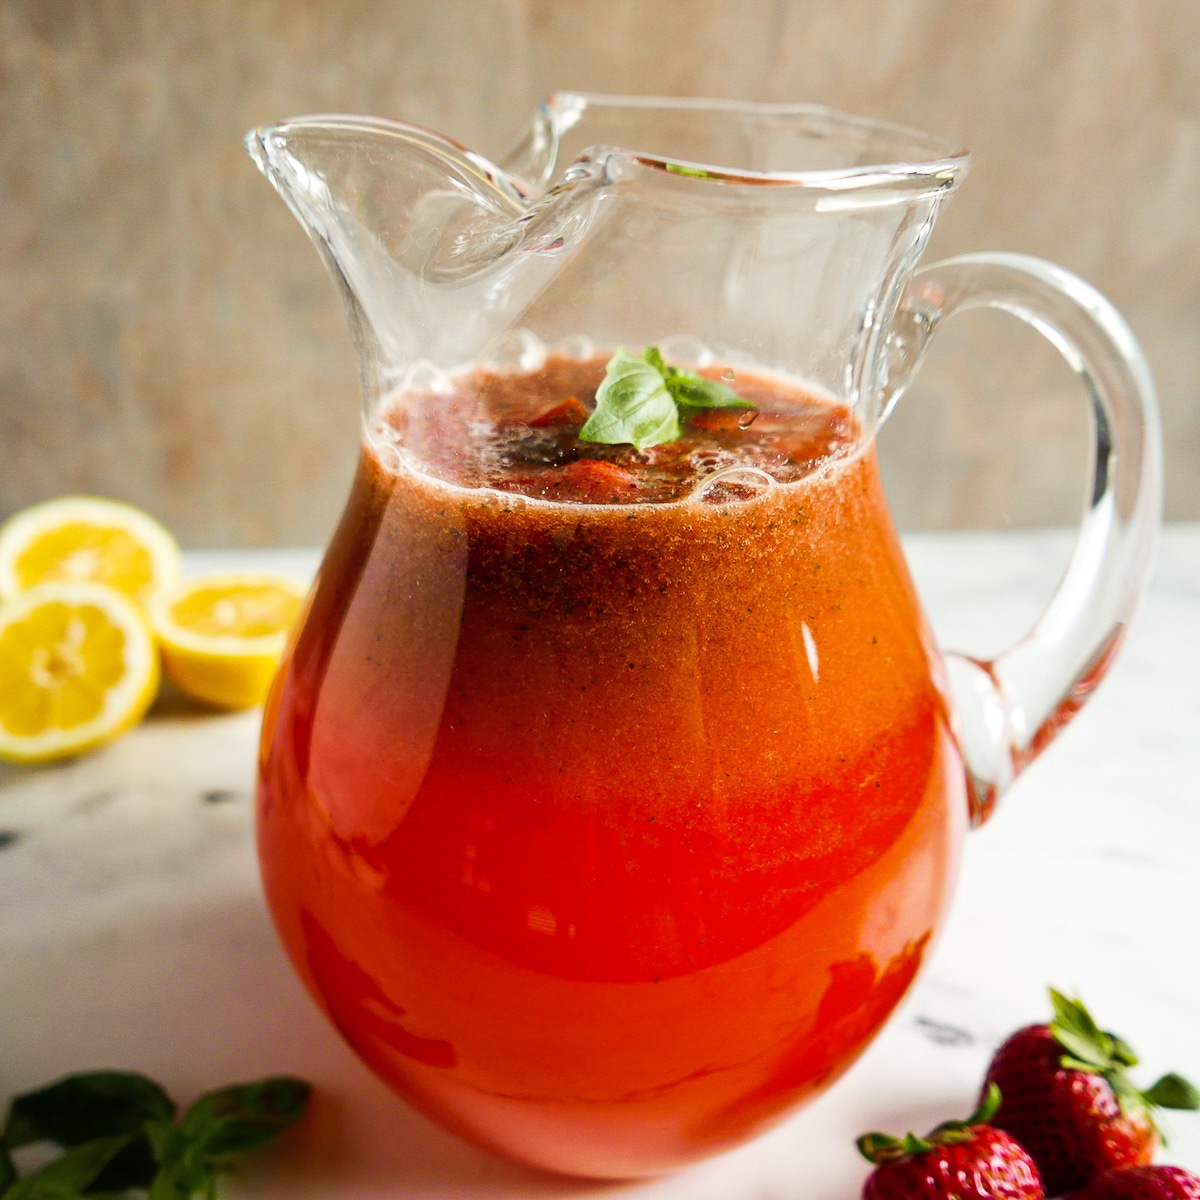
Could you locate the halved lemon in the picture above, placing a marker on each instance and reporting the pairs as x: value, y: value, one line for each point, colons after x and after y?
x: 78, y: 666
x: 85, y: 539
x: 222, y: 635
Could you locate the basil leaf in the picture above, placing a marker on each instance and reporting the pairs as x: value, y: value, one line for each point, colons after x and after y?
x: 69, y: 1175
x: 632, y: 405
x: 218, y: 1128
x: 80, y: 1108
x: 641, y: 400
x: 694, y: 391
x: 182, y: 1180
x: 182, y: 1171
x: 696, y: 172
x: 133, y: 1167
x: 162, y: 1136
x: 653, y: 355
x: 235, y: 1120
x: 8, y: 1173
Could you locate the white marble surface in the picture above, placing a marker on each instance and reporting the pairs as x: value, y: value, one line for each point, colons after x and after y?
x: 132, y: 932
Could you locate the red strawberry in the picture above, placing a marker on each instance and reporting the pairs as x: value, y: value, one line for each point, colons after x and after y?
x: 1069, y: 1100
x: 1142, y: 1183
x: 959, y: 1160
x: 563, y: 412
x: 593, y: 481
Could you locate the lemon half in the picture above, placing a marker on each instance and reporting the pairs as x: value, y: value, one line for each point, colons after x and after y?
x: 85, y: 539
x: 222, y: 635
x: 78, y: 666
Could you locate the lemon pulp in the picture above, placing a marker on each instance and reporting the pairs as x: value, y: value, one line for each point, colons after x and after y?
x: 77, y: 667
x: 222, y: 636
x: 78, y: 539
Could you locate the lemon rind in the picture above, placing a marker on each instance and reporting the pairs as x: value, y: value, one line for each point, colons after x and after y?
x: 21, y: 528
x: 221, y: 645
x: 124, y: 704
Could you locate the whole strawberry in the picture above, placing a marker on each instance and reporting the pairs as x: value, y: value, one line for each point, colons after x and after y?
x: 1142, y: 1183
x: 959, y: 1160
x: 1069, y: 1101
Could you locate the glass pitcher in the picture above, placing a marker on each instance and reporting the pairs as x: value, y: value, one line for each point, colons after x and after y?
x: 612, y: 791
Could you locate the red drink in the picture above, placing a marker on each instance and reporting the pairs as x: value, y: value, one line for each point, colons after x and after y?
x: 608, y: 820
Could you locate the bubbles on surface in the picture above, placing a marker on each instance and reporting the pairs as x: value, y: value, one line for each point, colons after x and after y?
x: 517, y: 431
x: 424, y: 376
x: 709, y: 459
x: 577, y: 346
x: 685, y: 350
x: 735, y: 485
x: 389, y: 455
x: 517, y: 350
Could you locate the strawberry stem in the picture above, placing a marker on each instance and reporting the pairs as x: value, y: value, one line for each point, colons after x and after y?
x: 878, y: 1148
x: 1092, y: 1049
x: 988, y: 1106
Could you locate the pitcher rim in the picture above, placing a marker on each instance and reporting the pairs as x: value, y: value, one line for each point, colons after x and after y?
x: 934, y: 166
x: 937, y: 162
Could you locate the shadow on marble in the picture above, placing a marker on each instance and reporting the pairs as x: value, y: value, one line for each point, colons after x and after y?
x: 171, y: 702
x: 202, y: 995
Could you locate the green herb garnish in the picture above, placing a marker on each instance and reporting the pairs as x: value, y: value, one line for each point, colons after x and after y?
x: 118, y: 1132
x: 694, y: 172
x: 644, y: 400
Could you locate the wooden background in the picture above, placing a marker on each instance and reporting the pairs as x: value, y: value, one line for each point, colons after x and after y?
x: 168, y: 336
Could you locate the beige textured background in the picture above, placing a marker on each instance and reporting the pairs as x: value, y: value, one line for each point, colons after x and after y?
x: 168, y: 336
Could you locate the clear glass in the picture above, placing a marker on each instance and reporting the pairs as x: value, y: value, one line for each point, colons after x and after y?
x: 609, y: 800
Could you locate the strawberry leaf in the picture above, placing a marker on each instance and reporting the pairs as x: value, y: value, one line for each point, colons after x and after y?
x: 1128, y: 1093
x: 1085, y: 1042
x: 914, y: 1145
x: 1092, y: 1049
x: 879, y: 1147
x: 988, y: 1106
x: 1122, y: 1051
x: 951, y: 1135
x: 1172, y: 1091
x: 1084, y: 1055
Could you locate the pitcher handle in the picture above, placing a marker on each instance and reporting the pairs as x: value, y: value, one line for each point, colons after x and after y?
x: 1009, y: 708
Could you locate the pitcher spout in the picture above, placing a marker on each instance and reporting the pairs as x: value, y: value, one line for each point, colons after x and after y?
x: 776, y: 234
x: 434, y: 247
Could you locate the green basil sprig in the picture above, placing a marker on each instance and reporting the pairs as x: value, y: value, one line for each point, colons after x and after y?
x: 644, y: 400
x: 118, y: 1132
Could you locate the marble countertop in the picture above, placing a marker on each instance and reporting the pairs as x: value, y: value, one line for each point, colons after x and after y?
x: 133, y: 933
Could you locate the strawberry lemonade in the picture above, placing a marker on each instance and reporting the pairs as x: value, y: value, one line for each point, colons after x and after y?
x: 608, y: 798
